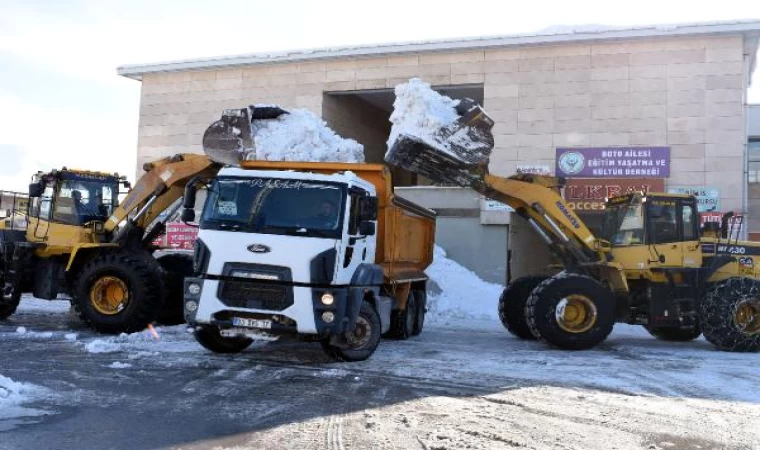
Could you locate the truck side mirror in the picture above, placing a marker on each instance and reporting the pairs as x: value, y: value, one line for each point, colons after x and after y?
x: 366, y: 228
x: 188, y: 215
x: 189, y: 199
x: 35, y: 190
x: 367, y: 208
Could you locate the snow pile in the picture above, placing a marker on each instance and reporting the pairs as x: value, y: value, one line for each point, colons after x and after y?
x: 301, y: 136
x: 419, y: 110
x: 463, y: 296
x: 14, y: 394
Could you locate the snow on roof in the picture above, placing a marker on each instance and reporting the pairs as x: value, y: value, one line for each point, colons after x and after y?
x: 552, y: 35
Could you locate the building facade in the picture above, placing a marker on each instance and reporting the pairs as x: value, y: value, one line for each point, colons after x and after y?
x: 680, y: 88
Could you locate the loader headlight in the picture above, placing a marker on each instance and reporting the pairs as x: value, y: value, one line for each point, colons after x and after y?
x: 194, y: 289
x: 327, y: 299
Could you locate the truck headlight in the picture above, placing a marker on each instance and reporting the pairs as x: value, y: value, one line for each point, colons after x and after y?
x: 194, y: 288
x: 328, y: 317
x: 327, y: 299
x: 191, y: 306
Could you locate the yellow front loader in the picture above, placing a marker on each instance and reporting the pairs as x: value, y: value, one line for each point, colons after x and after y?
x: 79, y: 240
x: 652, y: 266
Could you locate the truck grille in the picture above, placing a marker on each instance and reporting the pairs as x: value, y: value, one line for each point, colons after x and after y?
x: 256, y: 294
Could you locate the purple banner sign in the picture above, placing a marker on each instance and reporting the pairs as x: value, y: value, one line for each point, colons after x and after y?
x: 613, y: 162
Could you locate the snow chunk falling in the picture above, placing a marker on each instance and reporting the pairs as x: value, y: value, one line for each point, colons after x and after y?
x: 419, y: 110
x: 301, y: 136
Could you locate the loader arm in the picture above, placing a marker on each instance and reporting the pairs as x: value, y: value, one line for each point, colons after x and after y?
x: 458, y: 154
x: 158, y: 189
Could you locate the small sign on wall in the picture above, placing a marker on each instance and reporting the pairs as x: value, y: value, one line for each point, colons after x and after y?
x: 708, y: 198
x: 609, y: 162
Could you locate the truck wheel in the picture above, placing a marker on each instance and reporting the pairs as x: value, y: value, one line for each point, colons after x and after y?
x: 419, y: 323
x: 675, y: 334
x: 9, y: 301
x: 512, y: 306
x: 210, y: 337
x: 403, y: 321
x: 362, y: 342
x: 570, y: 311
x: 119, y: 292
x: 730, y: 315
x: 176, y: 267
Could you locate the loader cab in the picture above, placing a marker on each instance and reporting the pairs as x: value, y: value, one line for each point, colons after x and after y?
x: 72, y: 198
x: 653, y: 230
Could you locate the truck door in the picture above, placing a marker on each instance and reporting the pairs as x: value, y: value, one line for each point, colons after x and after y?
x: 356, y: 248
x: 673, y: 237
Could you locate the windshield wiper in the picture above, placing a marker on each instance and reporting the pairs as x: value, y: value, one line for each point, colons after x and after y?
x: 227, y: 226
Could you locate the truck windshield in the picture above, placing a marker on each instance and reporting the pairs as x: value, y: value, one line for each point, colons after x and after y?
x: 275, y: 206
x: 623, y: 225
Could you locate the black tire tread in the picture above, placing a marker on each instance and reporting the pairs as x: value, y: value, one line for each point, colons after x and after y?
x: 512, y: 306
x: 399, y: 329
x: 147, y: 287
x: 531, y: 315
x: 350, y: 355
x: 419, y: 323
x: 716, y: 311
x: 210, y: 338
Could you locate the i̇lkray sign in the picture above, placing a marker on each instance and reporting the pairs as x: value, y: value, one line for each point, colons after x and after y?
x: 587, y: 195
x: 613, y: 162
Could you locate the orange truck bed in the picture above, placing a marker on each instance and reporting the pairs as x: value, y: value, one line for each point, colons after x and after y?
x: 405, y: 230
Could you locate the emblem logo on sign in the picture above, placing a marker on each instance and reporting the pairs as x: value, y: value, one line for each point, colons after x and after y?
x: 572, y: 163
x: 258, y: 248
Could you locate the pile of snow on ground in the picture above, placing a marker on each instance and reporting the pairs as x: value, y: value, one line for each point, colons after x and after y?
x: 13, y: 394
x: 464, y: 295
x: 419, y: 110
x: 301, y: 136
x: 175, y: 339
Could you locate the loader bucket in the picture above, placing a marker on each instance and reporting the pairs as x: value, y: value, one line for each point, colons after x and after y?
x: 455, y: 154
x: 226, y: 140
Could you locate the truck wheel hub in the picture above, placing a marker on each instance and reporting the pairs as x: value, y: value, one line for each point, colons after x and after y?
x: 747, y: 317
x: 109, y: 295
x: 360, y: 336
x: 576, y: 313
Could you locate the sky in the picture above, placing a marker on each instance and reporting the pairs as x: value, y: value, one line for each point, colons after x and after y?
x: 62, y: 104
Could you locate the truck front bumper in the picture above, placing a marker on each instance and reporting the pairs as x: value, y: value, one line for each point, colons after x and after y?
x: 308, y: 313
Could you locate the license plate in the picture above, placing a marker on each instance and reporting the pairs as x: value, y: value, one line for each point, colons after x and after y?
x: 251, y: 323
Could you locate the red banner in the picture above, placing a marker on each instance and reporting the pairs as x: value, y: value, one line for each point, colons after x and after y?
x: 178, y: 236
x: 587, y: 195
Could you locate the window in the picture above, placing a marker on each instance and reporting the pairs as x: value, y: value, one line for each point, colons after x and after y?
x: 753, y: 156
x: 623, y: 225
x: 663, y: 223
x: 689, y: 225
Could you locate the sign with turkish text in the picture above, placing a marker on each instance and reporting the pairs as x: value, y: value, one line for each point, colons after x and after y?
x: 708, y: 198
x: 535, y: 169
x: 587, y: 195
x: 608, y: 162
x: 178, y: 236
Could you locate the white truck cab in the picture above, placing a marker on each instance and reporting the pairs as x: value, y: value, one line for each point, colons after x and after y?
x: 289, y: 252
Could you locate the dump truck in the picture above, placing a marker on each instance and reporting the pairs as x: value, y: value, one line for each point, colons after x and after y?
x: 651, y: 266
x: 321, y: 251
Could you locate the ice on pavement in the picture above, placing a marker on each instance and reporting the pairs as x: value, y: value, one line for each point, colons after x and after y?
x: 13, y: 395
x: 301, y: 136
x: 419, y: 110
x: 120, y: 365
x: 463, y: 295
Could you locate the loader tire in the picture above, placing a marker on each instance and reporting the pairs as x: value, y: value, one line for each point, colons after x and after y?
x: 210, y: 338
x: 570, y: 311
x: 177, y: 266
x: 419, y: 322
x: 512, y: 306
x: 675, y: 334
x: 119, y: 292
x: 362, y: 342
x: 9, y: 302
x: 404, y: 321
x: 730, y: 315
